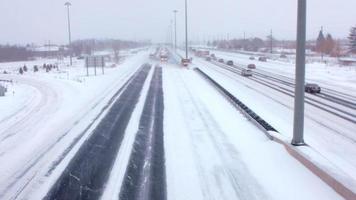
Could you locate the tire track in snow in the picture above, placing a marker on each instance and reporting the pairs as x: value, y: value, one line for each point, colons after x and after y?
x: 145, y: 177
x: 88, y: 171
x: 231, y: 178
x: 28, y: 171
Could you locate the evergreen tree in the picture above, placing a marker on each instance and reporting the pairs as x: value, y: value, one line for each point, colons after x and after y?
x: 329, y: 44
x: 35, y: 68
x: 24, y: 68
x: 21, y: 71
x: 320, y: 42
x: 352, y: 39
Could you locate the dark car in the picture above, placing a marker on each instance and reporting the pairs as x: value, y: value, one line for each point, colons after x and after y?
x: 283, y: 56
x: 252, y: 58
x: 312, y: 88
x: 221, y: 60
x: 185, y: 62
x: 262, y: 59
x: 212, y: 55
x: 230, y: 62
x: 208, y: 59
x: 251, y: 66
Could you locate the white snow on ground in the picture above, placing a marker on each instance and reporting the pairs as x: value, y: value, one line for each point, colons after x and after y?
x: 327, y: 135
x: 64, y: 103
x: 14, y: 102
x: 214, y: 152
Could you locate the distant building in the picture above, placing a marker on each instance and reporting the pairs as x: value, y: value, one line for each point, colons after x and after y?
x: 347, y: 61
x: 46, y: 50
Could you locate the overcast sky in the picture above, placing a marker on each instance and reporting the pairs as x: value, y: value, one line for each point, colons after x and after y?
x: 38, y: 21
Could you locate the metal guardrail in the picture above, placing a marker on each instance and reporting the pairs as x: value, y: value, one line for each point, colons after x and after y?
x: 256, y: 119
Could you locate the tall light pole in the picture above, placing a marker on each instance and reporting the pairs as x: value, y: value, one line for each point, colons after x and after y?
x: 298, y: 126
x: 271, y: 44
x: 68, y: 4
x: 175, y: 29
x: 186, y: 30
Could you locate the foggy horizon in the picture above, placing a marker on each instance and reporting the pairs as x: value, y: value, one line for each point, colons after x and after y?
x: 41, y: 21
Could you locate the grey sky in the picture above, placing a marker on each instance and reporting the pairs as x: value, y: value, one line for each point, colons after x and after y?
x: 25, y: 21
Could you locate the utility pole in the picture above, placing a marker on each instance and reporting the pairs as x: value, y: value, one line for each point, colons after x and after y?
x: 175, y: 29
x: 244, y: 46
x: 322, y: 45
x: 68, y: 4
x: 171, y: 31
x: 298, y: 126
x: 271, y: 41
x: 186, y: 30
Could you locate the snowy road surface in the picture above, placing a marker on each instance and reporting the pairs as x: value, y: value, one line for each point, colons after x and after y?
x: 326, y: 131
x: 224, y: 155
x: 155, y: 132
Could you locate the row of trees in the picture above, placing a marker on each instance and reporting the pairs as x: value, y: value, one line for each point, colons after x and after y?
x: 87, y: 46
x: 327, y: 45
x: 14, y: 53
x: 324, y: 44
x: 352, y: 39
x: 252, y: 44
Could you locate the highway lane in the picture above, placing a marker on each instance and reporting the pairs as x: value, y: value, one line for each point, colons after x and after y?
x: 323, y: 130
x: 285, y: 70
x: 145, y: 174
x: 206, y: 139
x: 40, y: 146
x: 88, y: 171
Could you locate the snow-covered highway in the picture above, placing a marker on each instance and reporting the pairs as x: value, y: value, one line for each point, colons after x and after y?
x: 148, y: 130
x: 330, y: 123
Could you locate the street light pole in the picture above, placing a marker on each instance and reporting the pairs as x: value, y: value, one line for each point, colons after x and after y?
x: 68, y: 4
x: 298, y: 126
x: 175, y: 29
x: 186, y: 30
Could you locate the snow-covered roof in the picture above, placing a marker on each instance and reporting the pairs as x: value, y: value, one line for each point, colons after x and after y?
x: 44, y: 48
x: 348, y: 59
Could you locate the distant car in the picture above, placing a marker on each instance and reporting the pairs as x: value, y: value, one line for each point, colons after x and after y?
x: 208, y: 59
x: 80, y: 57
x: 262, y: 59
x: 252, y: 58
x: 312, y: 88
x: 246, y: 72
x: 212, y: 55
x: 230, y: 62
x: 185, y: 62
x: 283, y: 56
x: 251, y: 66
x: 221, y: 60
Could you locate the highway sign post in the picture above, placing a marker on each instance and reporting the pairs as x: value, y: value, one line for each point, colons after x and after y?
x: 95, y: 61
